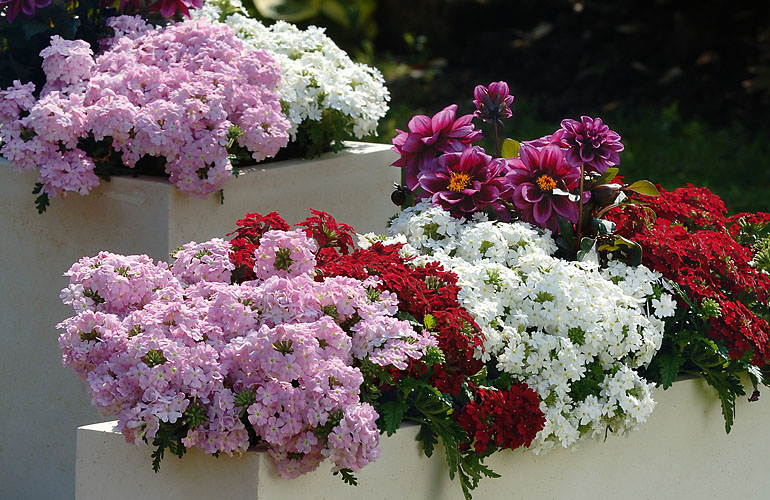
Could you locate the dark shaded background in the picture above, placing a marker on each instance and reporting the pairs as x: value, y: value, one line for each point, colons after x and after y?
x: 686, y: 83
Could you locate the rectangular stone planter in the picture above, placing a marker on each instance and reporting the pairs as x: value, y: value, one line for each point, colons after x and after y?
x: 682, y: 452
x: 41, y: 401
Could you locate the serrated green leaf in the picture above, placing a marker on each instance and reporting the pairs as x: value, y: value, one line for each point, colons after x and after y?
x: 643, y: 187
x: 347, y: 476
x: 392, y: 413
x: 669, y: 365
x: 510, y: 149
x: 428, y: 439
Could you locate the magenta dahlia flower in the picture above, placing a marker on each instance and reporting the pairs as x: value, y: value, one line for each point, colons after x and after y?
x: 555, y: 138
x: 591, y: 143
x: 168, y: 8
x: 427, y: 137
x: 541, y: 179
x: 28, y: 7
x: 493, y: 102
x: 467, y: 182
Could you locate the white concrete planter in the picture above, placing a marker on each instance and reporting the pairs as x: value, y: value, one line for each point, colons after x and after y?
x: 41, y: 402
x: 682, y: 452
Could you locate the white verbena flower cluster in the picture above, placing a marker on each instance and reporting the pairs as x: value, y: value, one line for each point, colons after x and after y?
x: 572, y: 332
x: 316, y: 75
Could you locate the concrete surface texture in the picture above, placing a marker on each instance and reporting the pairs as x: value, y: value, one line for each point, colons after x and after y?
x: 43, y: 403
x: 682, y: 452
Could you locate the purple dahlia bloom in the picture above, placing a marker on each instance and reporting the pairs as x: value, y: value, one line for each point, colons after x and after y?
x: 28, y: 7
x: 592, y: 143
x: 493, y: 102
x: 427, y: 137
x: 540, y: 180
x: 467, y: 182
x: 168, y: 8
x: 555, y: 138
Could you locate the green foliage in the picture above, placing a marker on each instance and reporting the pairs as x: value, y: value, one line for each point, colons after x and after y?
x: 577, y: 335
x: 317, y: 137
x: 169, y: 436
x: 643, y: 187
x: 42, y: 201
x: 510, y: 149
x: 154, y: 357
x: 687, y: 350
x: 391, y: 414
x: 347, y: 476
x: 434, y: 409
x: 589, y: 384
x: 245, y: 398
x: 195, y: 414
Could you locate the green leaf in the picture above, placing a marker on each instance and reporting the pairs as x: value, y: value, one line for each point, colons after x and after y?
x: 669, y: 364
x: 634, y: 249
x: 643, y: 187
x: 607, y: 176
x: 392, y: 413
x: 33, y: 27
x: 347, y: 476
x: 603, y: 226
x: 288, y: 10
x: 428, y: 439
x: 587, y: 250
x: 510, y: 148
x: 429, y: 321
x: 756, y: 375
x: 729, y: 387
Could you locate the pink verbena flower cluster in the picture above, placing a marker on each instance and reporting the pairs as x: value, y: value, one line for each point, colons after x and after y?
x: 179, y: 350
x: 185, y: 93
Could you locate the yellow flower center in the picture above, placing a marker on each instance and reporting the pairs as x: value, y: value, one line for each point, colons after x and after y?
x: 546, y: 183
x: 458, y: 182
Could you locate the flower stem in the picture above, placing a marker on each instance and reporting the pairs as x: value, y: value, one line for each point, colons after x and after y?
x: 579, y: 232
x: 497, y: 141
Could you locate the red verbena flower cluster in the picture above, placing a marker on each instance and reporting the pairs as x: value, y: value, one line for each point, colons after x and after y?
x: 421, y: 291
x: 333, y: 238
x: 687, y: 236
x: 506, y: 418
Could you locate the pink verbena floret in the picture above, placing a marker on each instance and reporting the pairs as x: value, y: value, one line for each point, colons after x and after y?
x: 285, y: 254
x: 14, y: 100
x: 208, y: 261
x: 66, y: 62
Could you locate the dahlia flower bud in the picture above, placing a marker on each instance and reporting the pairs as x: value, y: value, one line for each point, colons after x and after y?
x: 493, y: 102
x: 605, y: 194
